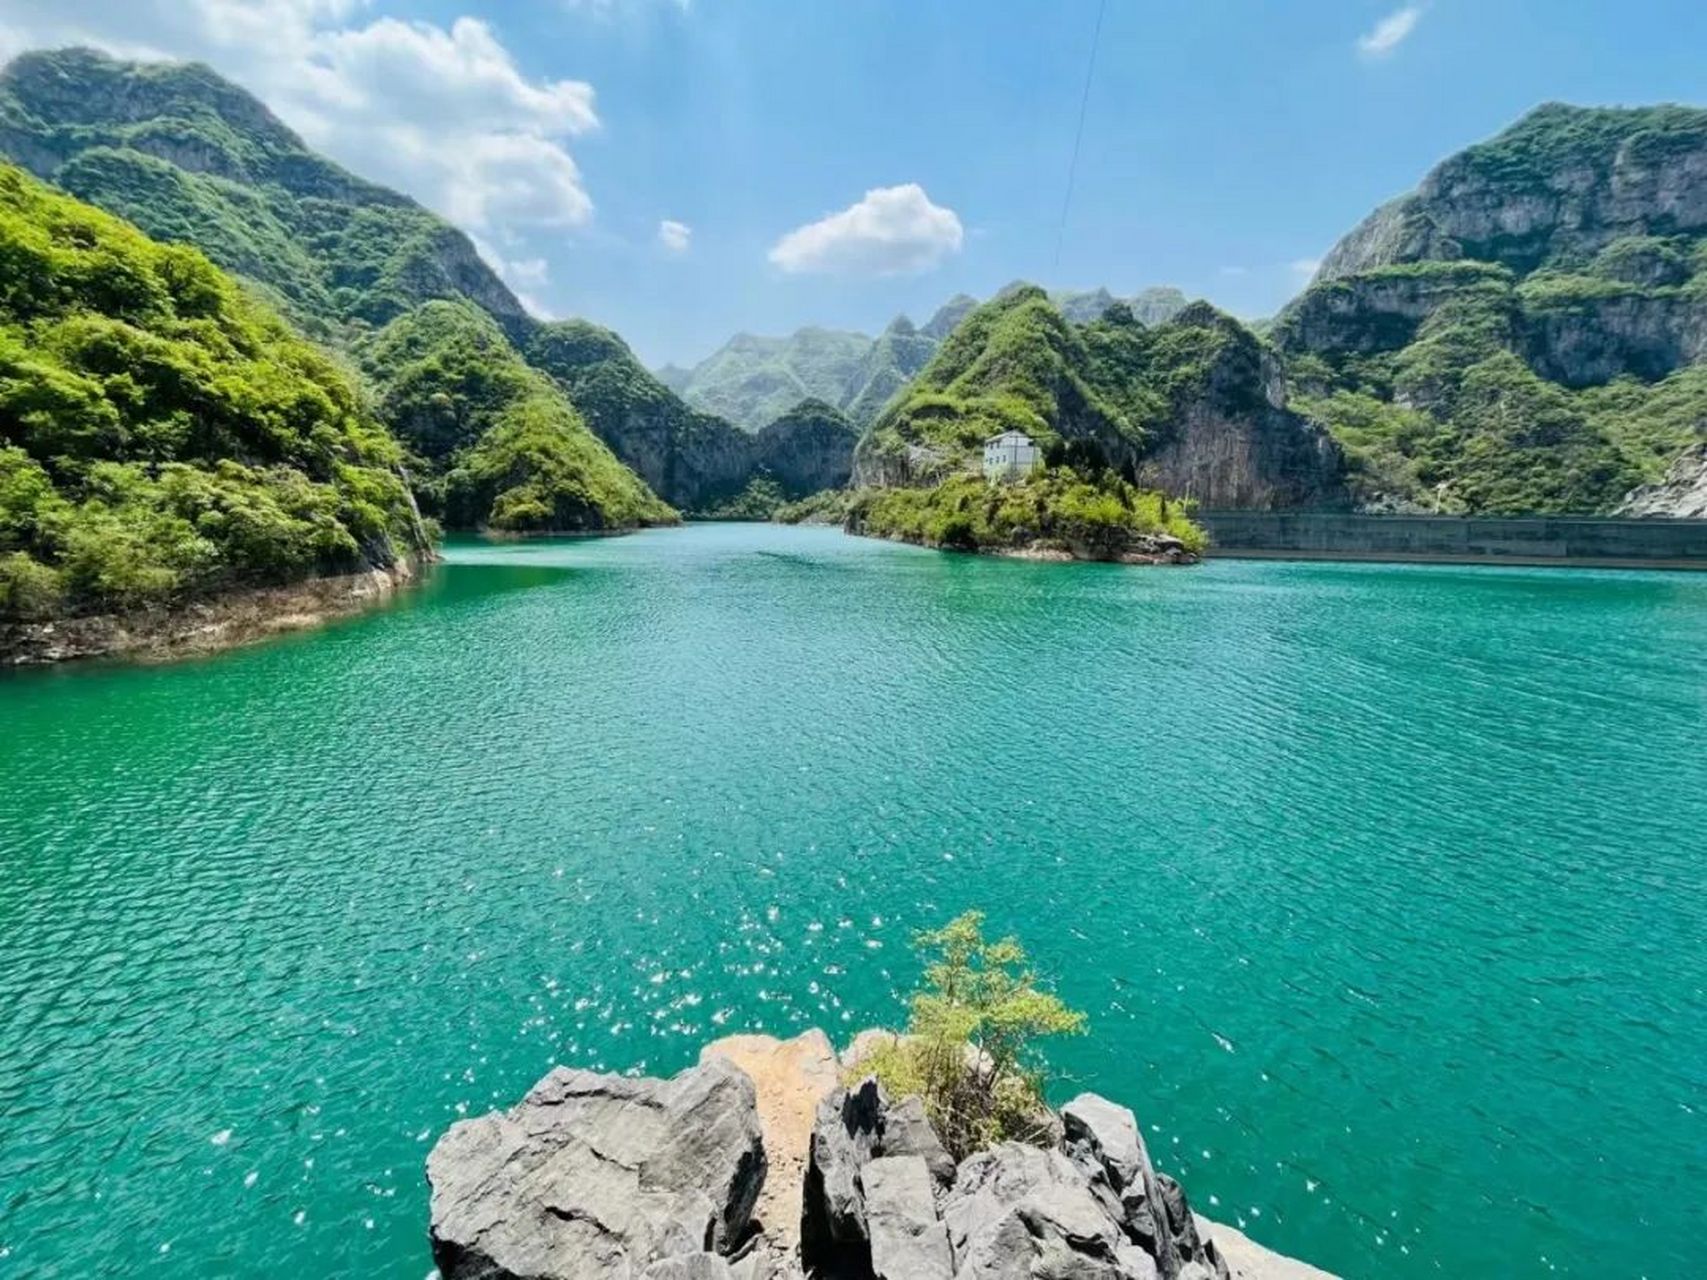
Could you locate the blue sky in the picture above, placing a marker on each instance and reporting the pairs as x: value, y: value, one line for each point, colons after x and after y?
x: 1226, y: 143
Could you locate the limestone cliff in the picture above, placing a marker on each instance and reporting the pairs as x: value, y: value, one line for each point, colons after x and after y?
x: 808, y: 449
x: 1682, y: 494
x: 1525, y: 332
x: 1195, y: 406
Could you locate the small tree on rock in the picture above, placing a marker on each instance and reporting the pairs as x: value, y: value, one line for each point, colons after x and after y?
x: 970, y: 1051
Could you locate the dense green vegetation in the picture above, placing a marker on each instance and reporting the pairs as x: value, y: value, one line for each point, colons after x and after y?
x: 1090, y: 513
x: 827, y: 506
x: 1018, y: 364
x: 163, y: 436
x: 493, y: 443
x: 1550, y: 367
x: 760, y: 500
x: 190, y: 158
x: 971, y: 1047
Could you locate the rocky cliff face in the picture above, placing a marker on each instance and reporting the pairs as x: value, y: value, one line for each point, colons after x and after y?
x: 1681, y: 495
x: 1553, y: 190
x: 808, y: 449
x: 1541, y: 298
x: 1230, y: 441
x: 596, y: 1176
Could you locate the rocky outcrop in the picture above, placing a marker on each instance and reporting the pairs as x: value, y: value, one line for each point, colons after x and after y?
x: 1091, y: 1205
x: 197, y: 627
x: 809, y: 449
x: 1681, y: 495
x: 607, y: 1176
x: 1558, y: 186
x: 1232, y: 442
x: 1591, y: 339
x: 601, y: 1176
x: 1381, y: 311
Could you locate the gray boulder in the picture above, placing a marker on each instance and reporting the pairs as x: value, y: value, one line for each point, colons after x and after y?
x: 908, y: 1242
x: 1018, y: 1212
x: 907, y: 1131
x: 595, y: 1176
x: 1102, y: 1139
x: 844, y: 1137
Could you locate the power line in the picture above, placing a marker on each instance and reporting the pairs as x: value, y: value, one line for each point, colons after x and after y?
x: 1079, y: 134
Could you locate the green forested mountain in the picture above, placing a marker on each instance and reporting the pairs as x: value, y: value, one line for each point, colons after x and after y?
x: 189, y: 157
x: 752, y: 380
x: 494, y: 443
x: 163, y: 436
x: 692, y: 458
x: 1194, y: 406
x: 1527, y: 331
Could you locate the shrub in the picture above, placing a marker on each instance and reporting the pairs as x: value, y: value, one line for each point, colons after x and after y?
x: 970, y: 1052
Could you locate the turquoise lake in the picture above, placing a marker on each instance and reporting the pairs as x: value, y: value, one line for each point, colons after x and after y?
x: 1384, y: 887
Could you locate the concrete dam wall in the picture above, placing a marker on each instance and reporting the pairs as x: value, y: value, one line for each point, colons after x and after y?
x: 1534, y: 540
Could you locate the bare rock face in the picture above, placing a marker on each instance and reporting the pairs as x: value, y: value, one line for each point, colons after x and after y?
x: 1681, y: 495
x: 1019, y: 1211
x: 603, y: 1177
x: 594, y: 1176
x: 908, y: 1241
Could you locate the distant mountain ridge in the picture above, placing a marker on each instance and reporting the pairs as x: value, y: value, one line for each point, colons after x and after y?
x: 751, y: 380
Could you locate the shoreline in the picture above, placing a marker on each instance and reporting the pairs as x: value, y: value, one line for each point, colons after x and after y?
x: 1176, y: 557
x: 202, y: 627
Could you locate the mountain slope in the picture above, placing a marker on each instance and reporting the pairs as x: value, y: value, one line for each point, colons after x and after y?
x: 189, y: 157
x: 1195, y: 406
x: 494, y: 443
x: 163, y: 437
x: 752, y: 380
x: 1527, y: 331
x: 692, y: 459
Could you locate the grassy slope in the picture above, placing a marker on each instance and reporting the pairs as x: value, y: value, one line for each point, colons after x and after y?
x: 1018, y: 363
x: 164, y: 436
x: 190, y: 157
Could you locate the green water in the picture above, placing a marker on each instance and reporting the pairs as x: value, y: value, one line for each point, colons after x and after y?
x: 1385, y: 887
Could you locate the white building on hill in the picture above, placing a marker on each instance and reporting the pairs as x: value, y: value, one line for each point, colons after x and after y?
x: 1009, y: 456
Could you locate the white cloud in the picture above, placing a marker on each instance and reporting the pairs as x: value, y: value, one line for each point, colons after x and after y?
x: 1304, y: 268
x: 893, y: 230
x: 443, y: 113
x: 675, y: 236
x: 1389, y: 33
